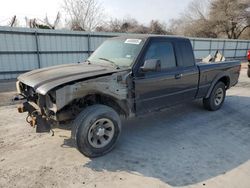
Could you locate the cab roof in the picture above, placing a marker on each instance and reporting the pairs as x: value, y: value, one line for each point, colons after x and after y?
x: 145, y: 37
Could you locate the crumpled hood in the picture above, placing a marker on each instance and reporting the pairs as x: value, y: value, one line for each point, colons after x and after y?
x: 45, y: 79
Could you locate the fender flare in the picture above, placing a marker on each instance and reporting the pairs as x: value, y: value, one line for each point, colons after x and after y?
x: 215, y: 81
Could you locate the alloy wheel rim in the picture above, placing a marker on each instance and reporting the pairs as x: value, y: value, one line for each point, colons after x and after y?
x: 101, y: 133
x: 218, y: 96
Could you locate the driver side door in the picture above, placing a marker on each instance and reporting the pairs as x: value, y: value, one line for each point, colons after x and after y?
x: 158, y: 89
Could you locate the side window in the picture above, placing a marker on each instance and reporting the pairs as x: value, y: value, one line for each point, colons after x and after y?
x: 163, y: 51
x: 186, y: 54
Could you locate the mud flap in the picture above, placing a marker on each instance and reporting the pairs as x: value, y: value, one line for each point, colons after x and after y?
x: 42, y: 125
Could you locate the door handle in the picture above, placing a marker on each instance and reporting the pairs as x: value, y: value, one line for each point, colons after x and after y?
x: 178, y: 76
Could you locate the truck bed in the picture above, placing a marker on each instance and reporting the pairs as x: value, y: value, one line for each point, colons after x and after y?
x: 209, y: 72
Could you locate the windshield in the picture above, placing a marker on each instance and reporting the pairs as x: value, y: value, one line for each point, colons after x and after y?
x: 120, y: 52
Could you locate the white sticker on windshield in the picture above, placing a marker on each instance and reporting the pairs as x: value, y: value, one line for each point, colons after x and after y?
x: 133, y: 41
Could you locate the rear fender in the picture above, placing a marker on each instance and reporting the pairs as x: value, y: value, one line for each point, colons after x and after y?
x: 215, y: 81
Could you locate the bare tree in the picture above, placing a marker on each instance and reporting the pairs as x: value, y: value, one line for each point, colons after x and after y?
x: 83, y: 14
x: 231, y: 17
x: 156, y: 27
x: 245, y: 34
x: 127, y: 25
x: 214, y: 18
x: 36, y: 23
x: 197, y: 10
x: 56, y: 22
x: 14, y: 22
x: 194, y: 22
x: 114, y: 25
x: 130, y: 25
x: 43, y: 24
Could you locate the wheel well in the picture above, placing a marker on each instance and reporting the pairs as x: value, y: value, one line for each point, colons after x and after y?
x: 71, y: 110
x: 225, y: 80
x: 119, y: 106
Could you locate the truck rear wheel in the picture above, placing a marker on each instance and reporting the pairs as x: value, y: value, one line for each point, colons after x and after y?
x: 216, y: 98
x: 96, y: 130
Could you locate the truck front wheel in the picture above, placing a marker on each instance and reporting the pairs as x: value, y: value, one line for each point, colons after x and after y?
x: 96, y: 130
x: 216, y: 98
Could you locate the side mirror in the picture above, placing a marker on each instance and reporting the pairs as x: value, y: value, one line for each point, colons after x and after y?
x: 151, y: 65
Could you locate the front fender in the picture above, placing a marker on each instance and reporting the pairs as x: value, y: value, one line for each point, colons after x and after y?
x: 104, y: 86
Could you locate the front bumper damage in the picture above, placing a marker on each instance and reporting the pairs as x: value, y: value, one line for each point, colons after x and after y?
x: 35, y: 118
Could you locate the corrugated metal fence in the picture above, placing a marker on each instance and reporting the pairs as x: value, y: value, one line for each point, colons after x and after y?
x: 23, y: 49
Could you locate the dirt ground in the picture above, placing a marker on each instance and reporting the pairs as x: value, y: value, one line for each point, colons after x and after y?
x: 184, y: 146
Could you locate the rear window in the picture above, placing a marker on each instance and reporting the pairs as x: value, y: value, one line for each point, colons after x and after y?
x: 186, y: 50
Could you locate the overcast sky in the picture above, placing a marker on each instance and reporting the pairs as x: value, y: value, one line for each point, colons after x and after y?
x: 142, y: 10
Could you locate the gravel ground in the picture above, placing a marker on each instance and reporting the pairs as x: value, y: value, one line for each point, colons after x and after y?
x: 7, y: 92
x: 183, y: 146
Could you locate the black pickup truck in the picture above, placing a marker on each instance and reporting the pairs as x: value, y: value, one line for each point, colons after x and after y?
x: 125, y: 77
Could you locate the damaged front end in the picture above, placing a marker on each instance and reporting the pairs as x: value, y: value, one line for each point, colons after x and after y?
x: 35, y: 118
x: 62, y: 104
x: 33, y: 104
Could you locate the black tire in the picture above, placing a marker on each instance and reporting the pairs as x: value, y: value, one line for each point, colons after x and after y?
x: 84, y: 123
x: 211, y: 103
